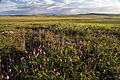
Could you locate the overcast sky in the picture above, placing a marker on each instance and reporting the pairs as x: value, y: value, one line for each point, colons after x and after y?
x: 68, y: 7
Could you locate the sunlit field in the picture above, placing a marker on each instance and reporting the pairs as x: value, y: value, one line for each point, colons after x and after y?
x: 42, y: 47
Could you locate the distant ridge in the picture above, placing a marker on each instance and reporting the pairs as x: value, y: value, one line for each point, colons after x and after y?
x: 101, y: 14
x: 89, y: 14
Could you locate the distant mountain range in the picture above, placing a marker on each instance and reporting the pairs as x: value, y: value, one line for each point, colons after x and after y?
x: 96, y: 14
x: 101, y: 14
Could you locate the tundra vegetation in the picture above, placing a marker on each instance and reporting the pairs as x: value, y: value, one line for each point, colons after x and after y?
x: 60, y: 47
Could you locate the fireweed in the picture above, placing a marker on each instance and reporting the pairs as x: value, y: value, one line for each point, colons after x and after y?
x: 59, y: 54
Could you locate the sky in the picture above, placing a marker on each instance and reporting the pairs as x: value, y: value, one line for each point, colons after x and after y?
x: 59, y: 7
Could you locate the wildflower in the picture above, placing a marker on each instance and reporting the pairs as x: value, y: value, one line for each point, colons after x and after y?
x: 20, y: 71
x: 59, y: 43
x: 108, y: 63
x: 81, y: 52
x: 65, y: 60
x: 54, y: 69
x: 44, y: 53
x: 44, y: 59
x: 119, y: 77
x: 42, y: 68
x: 22, y: 58
x: 57, y: 74
x: 9, y: 66
x: 40, y: 50
x: 40, y: 65
x: 46, y: 36
x: 78, y: 57
x: 60, y: 60
x: 48, y: 44
x: 88, y: 62
x: 34, y: 52
x: 104, y: 71
x: 2, y: 66
x: 13, y: 60
x: 70, y: 60
x: 43, y: 46
x: 85, y: 67
x: 80, y: 46
x: 91, y: 60
x: 29, y: 57
x: 10, y: 60
x: 35, y: 70
x: 7, y: 77
x: 9, y: 70
x: 2, y: 76
x: 48, y: 59
x: 116, y: 59
x: 58, y: 48
x: 100, y: 59
x: 36, y: 56
x: 26, y: 52
x: 40, y: 46
x: 86, y: 50
x: 61, y: 52
x: 75, y: 52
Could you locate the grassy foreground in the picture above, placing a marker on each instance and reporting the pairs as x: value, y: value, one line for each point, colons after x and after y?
x: 59, y: 48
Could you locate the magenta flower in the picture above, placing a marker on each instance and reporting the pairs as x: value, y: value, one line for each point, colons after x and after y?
x: 61, y: 52
x: 40, y: 46
x: 20, y: 71
x: 81, y: 52
x: 9, y: 66
x: 78, y: 57
x: 40, y: 65
x: 9, y: 70
x: 22, y: 58
x: 44, y: 53
x: 35, y: 70
x: 43, y: 46
x: 40, y: 50
x: 42, y: 68
x: 57, y: 74
x: 91, y: 60
x: 60, y: 60
x: 13, y: 60
x: 44, y: 59
x: 104, y: 71
x: 86, y: 50
x: 80, y: 47
x: 75, y: 52
x: 119, y: 77
x: 36, y: 56
x: 70, y: 60
x: 47, y: 59
x: 65, y: 61
x: 85, y: 66
x: 2, y: 76
x: 10, y: 60
x: 100, y: 59
x: 34, y: 52
x: 29, y: 57
x: 54, y: 70
x: 26, y: 52
x: 108, y: 63
x: 2, y: 66
x: 116, y: 59
x: 48, y: 44
x: 7, y: 77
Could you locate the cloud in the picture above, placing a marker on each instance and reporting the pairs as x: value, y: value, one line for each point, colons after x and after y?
x: 58, y: 6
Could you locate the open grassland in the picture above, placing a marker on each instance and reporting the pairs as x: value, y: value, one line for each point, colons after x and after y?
x: 60, y: 48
